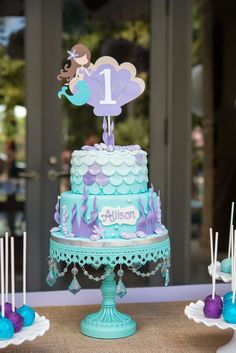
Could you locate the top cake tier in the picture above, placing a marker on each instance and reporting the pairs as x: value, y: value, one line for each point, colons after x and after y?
x: 120, y: 171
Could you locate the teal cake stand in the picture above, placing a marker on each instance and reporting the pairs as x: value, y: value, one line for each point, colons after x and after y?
x: 108, y: 322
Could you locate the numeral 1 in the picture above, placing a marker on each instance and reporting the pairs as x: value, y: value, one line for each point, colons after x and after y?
x: 107, y: 76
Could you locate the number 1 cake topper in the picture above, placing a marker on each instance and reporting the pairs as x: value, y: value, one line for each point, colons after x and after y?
x: 105, y: 85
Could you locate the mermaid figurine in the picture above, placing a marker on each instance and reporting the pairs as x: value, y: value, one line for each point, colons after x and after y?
x: 76, y: 90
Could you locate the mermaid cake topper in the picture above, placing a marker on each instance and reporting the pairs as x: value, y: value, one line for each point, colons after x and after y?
x: 104, y: 85
x: 79, y: 56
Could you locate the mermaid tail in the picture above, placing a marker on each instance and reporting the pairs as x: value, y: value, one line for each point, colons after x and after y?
x: 81, y: 93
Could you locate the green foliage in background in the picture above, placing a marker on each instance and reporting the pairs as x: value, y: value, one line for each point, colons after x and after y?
x: 11, y: 94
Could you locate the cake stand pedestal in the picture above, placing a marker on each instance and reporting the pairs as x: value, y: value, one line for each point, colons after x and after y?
x: 194, y: 311
x: 108, y: 322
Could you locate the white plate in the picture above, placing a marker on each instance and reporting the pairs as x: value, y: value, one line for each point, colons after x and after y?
x: 38, y: 328
x: 194, y: 311
x: 225, y: 277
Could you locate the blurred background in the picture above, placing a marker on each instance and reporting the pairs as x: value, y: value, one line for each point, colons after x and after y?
x: 186, y: 53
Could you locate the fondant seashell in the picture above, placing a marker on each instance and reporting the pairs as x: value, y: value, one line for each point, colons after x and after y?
x: 54, y: 229
x: 128, y: 235
x: 125, y: 86
x: 140, y: 234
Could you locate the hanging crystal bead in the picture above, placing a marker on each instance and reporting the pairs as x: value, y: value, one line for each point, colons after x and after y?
x: 121, y: 289
x: 167, y: 277
x: 74, y: 286
x: 51, y: 278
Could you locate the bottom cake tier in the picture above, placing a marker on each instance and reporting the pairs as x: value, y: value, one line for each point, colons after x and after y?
x: 97, y: 217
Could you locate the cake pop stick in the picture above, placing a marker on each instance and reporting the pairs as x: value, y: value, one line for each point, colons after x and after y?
x: 24, y: 267
x: 214, y: 271
x: 230, y: 228
x: 211, y: 245
x: 16, y: 319
x: 109, y: 125
x: 234, y: 264
x: 232, y: 261
x: 12, y: 275
x: 6, y: 327
x: 25, y: 311
x: 213, y: 303
x: 6, y: 265
x: 2, y: 280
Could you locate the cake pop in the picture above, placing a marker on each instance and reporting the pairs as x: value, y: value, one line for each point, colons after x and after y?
x: 226, y: 263
x: 213, y: 303
x: 229, y: 309
x: 6, y: 327
x: 25, y: 311
x: 7, y: 304
x: 16, y: 319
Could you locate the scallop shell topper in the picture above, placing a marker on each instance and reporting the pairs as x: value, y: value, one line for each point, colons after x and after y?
x: 105, y: 85
x: 112, y: 86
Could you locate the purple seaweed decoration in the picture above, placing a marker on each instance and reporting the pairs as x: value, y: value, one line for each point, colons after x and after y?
x: 159, y: 208
x: 151, y: 218
x: 74, y: 221
x: 141, y: 225
x: 57, y: 211
x: 108, y: 138
x: 86, y: 229
x: 64, y: 220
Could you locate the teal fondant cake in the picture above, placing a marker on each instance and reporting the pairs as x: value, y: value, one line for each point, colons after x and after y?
x: 109, y: 196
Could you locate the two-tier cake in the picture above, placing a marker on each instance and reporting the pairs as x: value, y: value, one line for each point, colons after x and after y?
x: 109, y: 196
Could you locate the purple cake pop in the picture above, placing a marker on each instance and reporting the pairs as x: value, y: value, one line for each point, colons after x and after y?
x: 17, y: 321
x: 212, y: 309
x: 217, y: 299
x: 8, y: 309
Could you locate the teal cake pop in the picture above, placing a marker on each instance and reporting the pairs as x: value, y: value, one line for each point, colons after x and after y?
x: 226, y: 265
x: 25, y: 311
x: 6, y: 329
x: 229, y: 309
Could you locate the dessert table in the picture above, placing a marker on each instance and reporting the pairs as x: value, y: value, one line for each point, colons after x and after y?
x: 162, y: 327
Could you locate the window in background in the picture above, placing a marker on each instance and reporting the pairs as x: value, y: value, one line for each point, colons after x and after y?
x: 12, y: 126
x: 213, y: 128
